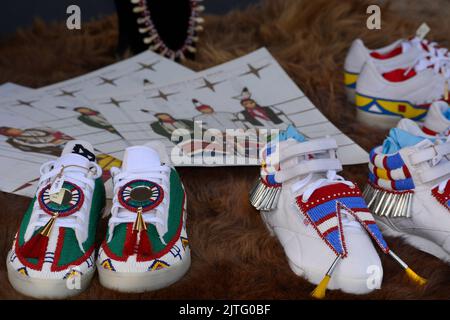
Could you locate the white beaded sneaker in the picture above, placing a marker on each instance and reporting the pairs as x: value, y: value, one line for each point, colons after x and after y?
x: 53, y: 253
x: 408, y: 188
x: 319, y: 217
x: 146, y: 246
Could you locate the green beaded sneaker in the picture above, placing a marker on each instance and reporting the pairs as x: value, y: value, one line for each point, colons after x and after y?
x: 146, y: 246
x: 53, y: 253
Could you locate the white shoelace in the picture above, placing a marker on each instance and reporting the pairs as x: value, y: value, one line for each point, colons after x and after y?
x: 119, y: 214
x: 75, y: 221
x: 436, y: 57
x: 332, y: 178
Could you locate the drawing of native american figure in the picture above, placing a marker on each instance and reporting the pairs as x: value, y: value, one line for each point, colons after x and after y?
x: 166, y: 125
x: 216, y: 120
x: 255, y: 115
x: 39, y: 140
x: 94, y: 119
x: 222, y: 121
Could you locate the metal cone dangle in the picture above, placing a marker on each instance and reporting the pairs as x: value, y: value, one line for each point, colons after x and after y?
x: 139, y: 224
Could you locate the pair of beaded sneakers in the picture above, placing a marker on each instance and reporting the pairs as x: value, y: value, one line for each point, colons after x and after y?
x: 398, y: 81
x: 327, y: 230
x: 145, y: 248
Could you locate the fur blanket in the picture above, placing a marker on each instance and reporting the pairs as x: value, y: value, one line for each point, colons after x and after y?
x: 234, y: 256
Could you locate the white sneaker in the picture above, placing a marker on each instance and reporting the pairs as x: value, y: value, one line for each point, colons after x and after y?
x: 146, y: 246
x: 437, y: 120
x: 320, y: 219
x: 408, y: 188
x: 399, y: 54
x: 383, y: 98
x: 53, y: 253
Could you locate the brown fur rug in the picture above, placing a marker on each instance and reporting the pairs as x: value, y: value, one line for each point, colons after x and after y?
x: 233, y: 255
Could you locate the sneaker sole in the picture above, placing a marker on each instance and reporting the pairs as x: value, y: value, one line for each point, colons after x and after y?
x: 135, y: 282
x: 46, y: 288
x: 417, y: 242
x: 377, y: 120
x: 348, y: 285
x: 350, y: 80
x: 351, y: 93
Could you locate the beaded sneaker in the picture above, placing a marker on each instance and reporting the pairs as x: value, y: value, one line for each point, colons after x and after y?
x: 53, y: 253
x: 437, y: 120
x: 408, y: 189
x: 384, y: 97
x: 146, y: 246
x: 399, y: 54
x: 319, y: 217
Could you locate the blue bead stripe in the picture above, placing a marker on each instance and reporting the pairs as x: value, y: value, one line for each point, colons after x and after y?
x: 334, y: 239
x: 378, y: 235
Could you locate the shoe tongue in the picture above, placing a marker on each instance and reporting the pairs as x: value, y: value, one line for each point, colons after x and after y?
x: 291, y: 133
x: 140, y: 158
x: 76, y: 156
x: 76, y: 152
x: 398, y: 139
x: 79, y: 148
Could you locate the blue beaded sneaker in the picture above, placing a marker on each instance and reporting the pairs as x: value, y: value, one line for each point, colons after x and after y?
x: 53, y: 253
x: 146, y: 246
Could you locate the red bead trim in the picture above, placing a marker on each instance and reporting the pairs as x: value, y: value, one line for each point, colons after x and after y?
x: 375, y: 186
x: 62, y: 214
x: 429, y: 131
x: 58, y: 250
x: 169, y: 245
x: 365, y: 224
x: 327, y: 193
x: 144, y: 209
x: 442, y: 198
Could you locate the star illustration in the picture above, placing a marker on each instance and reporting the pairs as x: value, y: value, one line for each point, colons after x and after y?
x: 67, y: 93
x: 107, y: 81
x: 208, y: 84
x: 253, y: 70
x: 115, y: 102
x: 147, y: 66
x: 163, y: 95
x: 147, y: 82
x: 25, y: 103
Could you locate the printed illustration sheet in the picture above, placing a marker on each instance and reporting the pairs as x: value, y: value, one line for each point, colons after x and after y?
x: 140, y: 71
x: 10, y: 89
x: 76, y: 120
x: 65, y: 106
x: 25, y: 145
x: 251, y: 92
